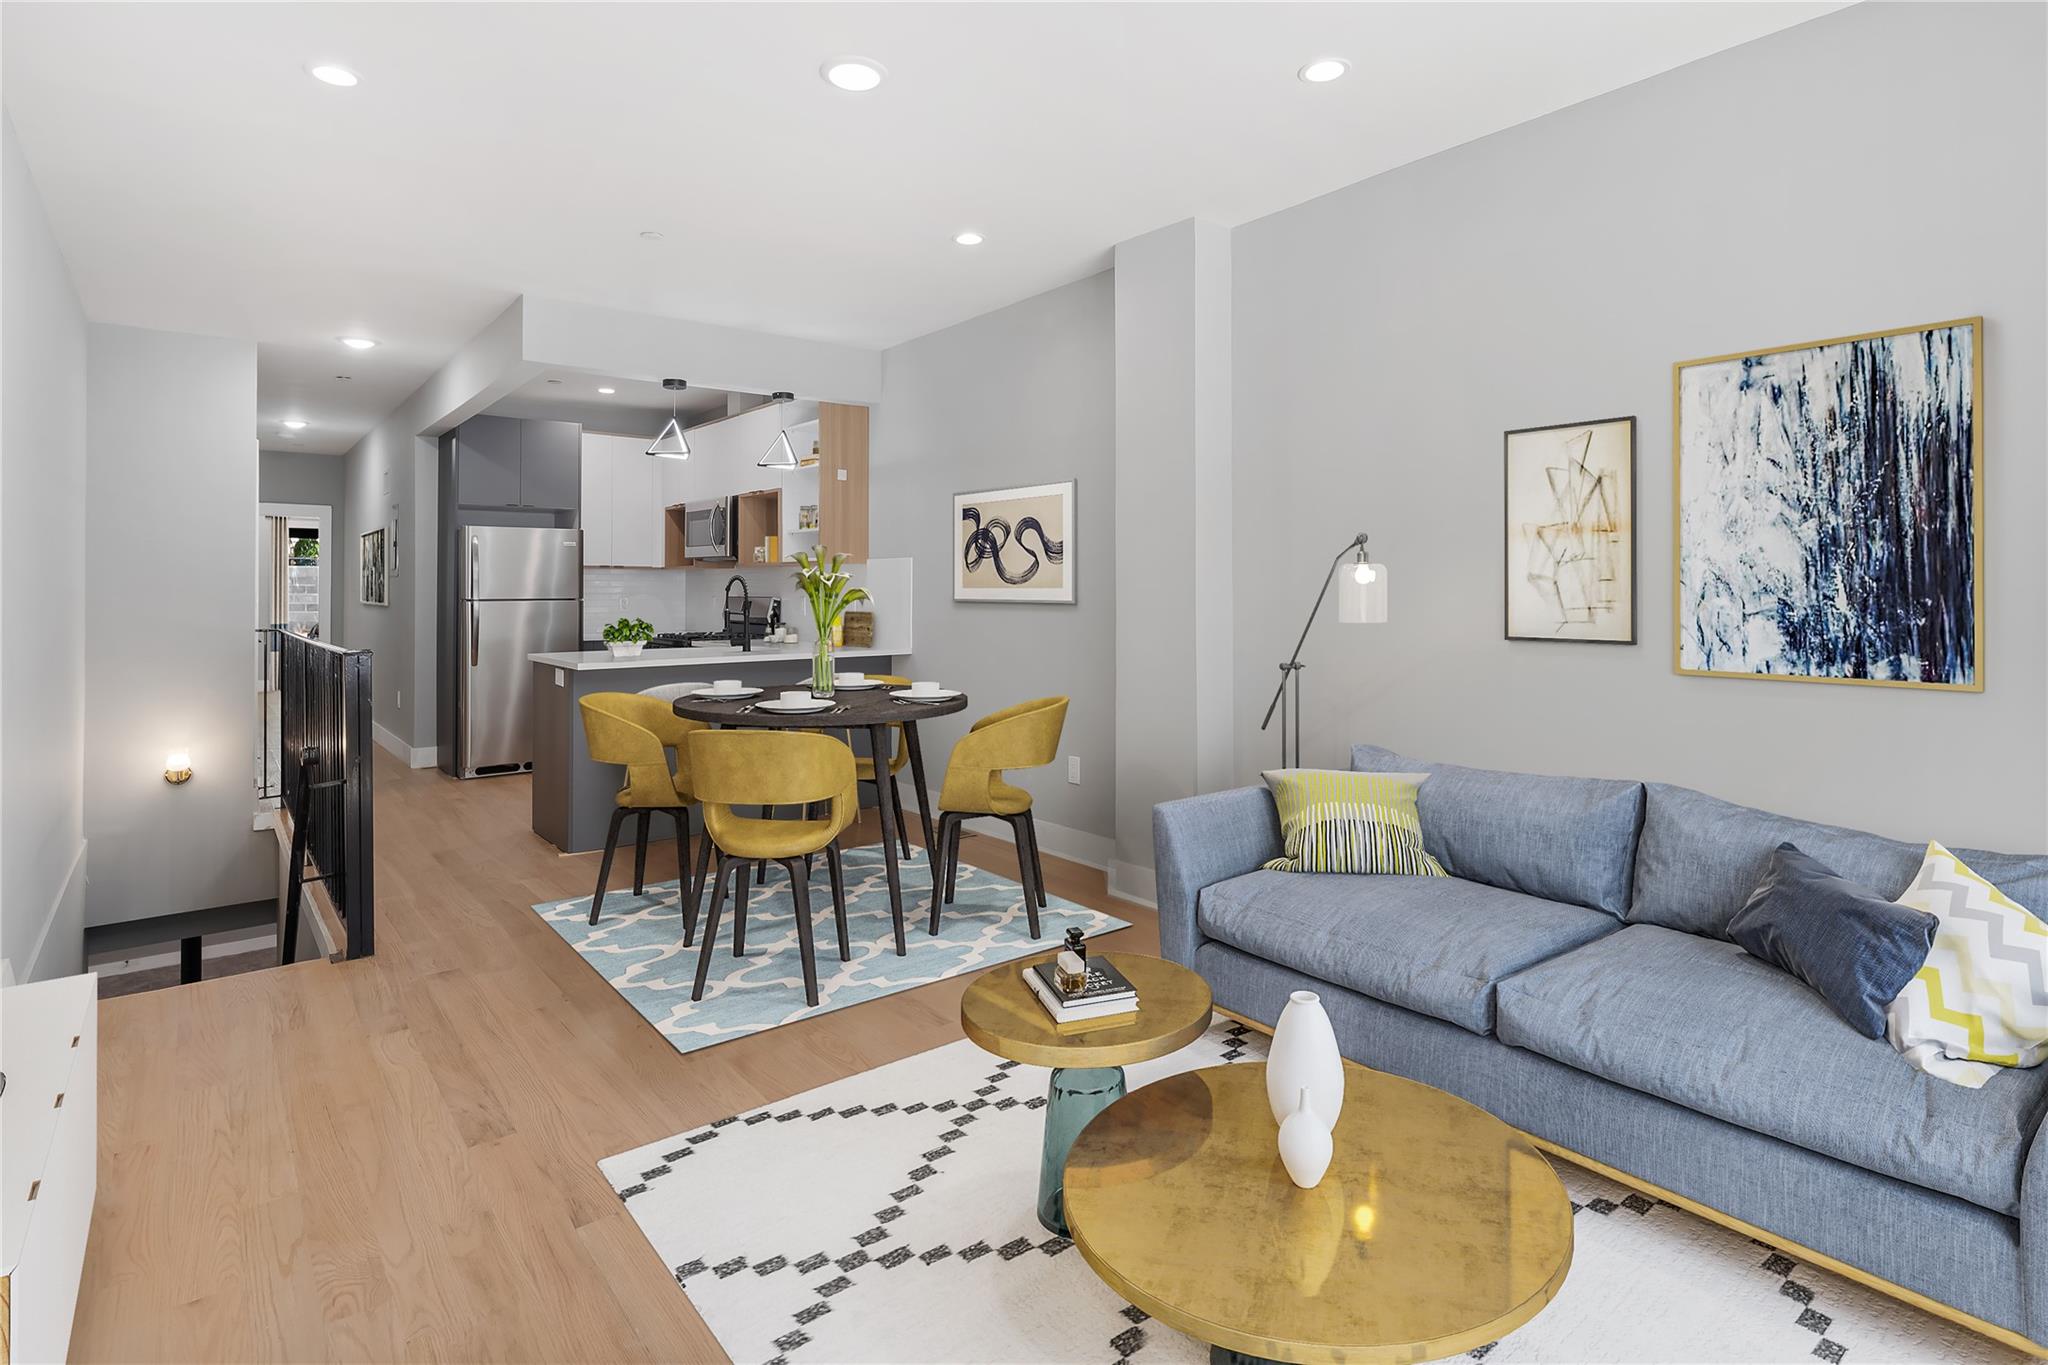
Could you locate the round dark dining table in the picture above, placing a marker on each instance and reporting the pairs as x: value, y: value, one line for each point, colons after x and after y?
x: 870, y: 709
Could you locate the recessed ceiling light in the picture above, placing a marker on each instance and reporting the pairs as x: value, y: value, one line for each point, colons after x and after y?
x: 294, y: 426
x: 356, y: 343
x: 967, y: 239
x: 853, y: 73
x: 650, y: 236
x: 607, y: 390
x: 1323, y: 69
x: 334, y: 75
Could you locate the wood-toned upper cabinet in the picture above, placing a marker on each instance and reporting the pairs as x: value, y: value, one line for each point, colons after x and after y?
x: 843, y: 478
x: 596, y: 479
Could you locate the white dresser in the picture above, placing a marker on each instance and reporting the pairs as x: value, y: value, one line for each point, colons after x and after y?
x: 49, y: 1160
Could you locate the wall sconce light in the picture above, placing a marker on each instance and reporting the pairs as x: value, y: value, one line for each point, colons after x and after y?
x: 177, y: 767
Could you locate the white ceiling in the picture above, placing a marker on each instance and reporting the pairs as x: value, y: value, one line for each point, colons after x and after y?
x: 632, y: 405
x: 200, y: 180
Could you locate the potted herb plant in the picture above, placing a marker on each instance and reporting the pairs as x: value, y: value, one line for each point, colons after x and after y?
x: 627, y: 636
x: 830, y: 591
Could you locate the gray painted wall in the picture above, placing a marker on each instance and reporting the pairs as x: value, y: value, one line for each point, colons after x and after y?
x: 1879, y: 167
x: 42, y: 587
x: 170, y: 599
x: 1019, y: 396
x: 304, y: 477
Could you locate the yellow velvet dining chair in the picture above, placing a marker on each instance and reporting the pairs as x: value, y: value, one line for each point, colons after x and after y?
x: 769, y: 768
x: 1026, y: 735
x: 638, y: 733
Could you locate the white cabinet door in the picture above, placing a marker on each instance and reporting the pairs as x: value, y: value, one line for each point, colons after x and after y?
x: 636, y: 502
x: 598, y: 546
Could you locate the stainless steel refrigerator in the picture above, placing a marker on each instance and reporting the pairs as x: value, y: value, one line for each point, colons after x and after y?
x: 522, y: 593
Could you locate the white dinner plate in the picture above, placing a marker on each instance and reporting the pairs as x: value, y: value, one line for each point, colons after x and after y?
x: 708, y: 695
x: 796, y: 708
x: 838, y: 686
x: 943, y: 694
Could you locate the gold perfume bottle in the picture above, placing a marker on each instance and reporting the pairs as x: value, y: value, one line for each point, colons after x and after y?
x: 1070, y: 968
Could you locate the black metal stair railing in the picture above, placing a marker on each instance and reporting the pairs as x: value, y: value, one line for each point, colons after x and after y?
x: 324, y: 780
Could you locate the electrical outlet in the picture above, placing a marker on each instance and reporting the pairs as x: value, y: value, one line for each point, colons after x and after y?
x: 1074, y: 769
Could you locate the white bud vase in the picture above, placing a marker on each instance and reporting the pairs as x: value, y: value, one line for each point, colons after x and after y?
x: 1304, y: 1056
x: 1305, y: 1146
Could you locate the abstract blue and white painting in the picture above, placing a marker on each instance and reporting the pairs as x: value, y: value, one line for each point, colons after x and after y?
x: 1827, y: 511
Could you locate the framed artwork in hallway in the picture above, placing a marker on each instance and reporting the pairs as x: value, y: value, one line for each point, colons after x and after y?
x: 376, y: 584
x: 1829, y: 519
x: 1014, y: 544
x: 1571, y: 532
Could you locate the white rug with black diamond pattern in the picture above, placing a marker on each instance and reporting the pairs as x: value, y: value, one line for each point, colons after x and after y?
x: 889, y: 1217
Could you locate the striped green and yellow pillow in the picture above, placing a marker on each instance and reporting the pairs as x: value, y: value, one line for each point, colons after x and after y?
x: 1350, y: 822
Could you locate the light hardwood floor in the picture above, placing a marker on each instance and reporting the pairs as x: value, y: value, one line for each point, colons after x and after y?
x: 396, y: 1158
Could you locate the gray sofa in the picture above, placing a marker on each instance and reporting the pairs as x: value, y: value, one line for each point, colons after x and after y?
x: 1573, y: 977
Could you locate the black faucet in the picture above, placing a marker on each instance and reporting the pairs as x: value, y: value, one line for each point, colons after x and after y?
x: 746, y: 613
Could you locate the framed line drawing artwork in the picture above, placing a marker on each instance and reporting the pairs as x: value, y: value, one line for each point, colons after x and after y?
x: 1570, y: 533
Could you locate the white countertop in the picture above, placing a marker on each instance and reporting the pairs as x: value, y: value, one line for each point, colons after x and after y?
x: 701, y: 657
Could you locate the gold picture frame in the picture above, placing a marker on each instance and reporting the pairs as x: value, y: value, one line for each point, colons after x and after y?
x: 1976, y: 594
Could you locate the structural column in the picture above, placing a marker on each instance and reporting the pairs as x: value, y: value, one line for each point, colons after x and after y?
x: 1174, y: 664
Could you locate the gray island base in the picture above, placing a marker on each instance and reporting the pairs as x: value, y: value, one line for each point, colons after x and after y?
x: 572, y: 793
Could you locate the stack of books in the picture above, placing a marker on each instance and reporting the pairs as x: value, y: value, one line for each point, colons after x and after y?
x: 1109, y: 998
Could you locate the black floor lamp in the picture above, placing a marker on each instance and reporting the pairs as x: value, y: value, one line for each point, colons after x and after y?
x: 1361, y: 600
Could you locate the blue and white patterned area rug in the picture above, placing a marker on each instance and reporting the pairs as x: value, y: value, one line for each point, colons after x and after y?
x: 909, y: 1235
x: 637, y: 945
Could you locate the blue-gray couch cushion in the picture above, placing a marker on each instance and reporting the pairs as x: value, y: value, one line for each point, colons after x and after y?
x: 1569, y: 839
x: 1700, y: 857
x: 1436, y: 945
x: 1701, y: 1023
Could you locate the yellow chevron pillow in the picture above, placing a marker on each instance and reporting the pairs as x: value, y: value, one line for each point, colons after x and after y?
x: 1981, y: 1000
x: 1334, y: 821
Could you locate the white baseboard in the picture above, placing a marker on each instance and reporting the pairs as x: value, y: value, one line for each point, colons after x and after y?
x: 1133, y: 882
x: 390, y: 742
x: 73, y: 888
x: 1064, y: 841
x: 405, y: 753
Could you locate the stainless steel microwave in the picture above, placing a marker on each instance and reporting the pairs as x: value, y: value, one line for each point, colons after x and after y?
x: 708, y: 528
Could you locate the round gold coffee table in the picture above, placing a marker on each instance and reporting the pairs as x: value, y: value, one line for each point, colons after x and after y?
x: 1437, y: 1228
x: 1000, y: 1013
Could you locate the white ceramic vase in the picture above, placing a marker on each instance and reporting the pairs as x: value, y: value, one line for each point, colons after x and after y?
x: 1305, y: 1146
x: 626, y: 649
x: 1304, y: 1056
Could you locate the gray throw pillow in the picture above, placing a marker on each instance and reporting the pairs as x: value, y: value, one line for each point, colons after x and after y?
x: 1841, y: 938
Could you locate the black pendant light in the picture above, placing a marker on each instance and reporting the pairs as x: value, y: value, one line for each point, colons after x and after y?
x: 670, y: 445
x: 781, y: 455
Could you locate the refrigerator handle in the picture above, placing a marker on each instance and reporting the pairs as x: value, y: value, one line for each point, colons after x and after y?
x: 472, y: 634
x: 473, y: 583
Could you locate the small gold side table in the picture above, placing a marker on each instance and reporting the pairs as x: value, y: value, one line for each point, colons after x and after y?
x: 1001, y: 1015
x: 1437, y: 1228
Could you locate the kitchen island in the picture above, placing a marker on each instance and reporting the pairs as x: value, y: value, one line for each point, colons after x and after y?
x: 572, y: 793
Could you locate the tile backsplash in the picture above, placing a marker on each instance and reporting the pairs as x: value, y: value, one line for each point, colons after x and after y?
x: 655, y: 595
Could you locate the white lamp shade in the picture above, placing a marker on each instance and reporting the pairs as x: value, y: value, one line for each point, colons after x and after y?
x: 1362, y: 594
x: 670, y: 445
